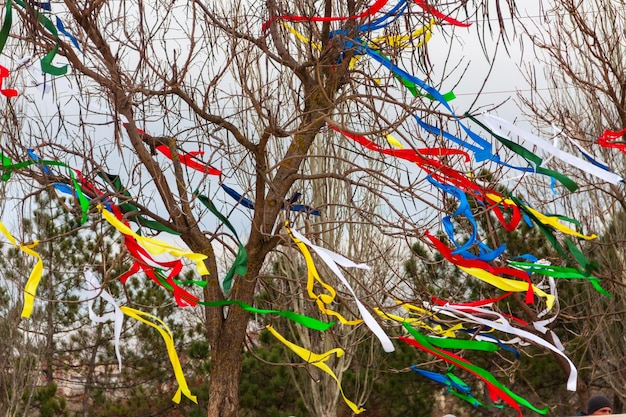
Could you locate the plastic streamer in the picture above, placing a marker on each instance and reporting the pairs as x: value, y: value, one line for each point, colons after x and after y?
x: 7, y: 92
x: 496, y: 389
x: 414, y: 321
x: 534, y: 160
x: 250, y: 205
x: 306, y: 321
x: 502, y: 325
x: 94, y: 291
x: 239, y: 266
x: 609, y: 140
x: 463, y: 209
x: 131, y: 209
x: 319, y: 361
x: 322, y: 300
x: 46, y: 61
x: 168, y: 337
x: 333, y: 260
x: 30, y: 289
x: 494, y: 122
x: 488, y: 273
x: 430, y: 9
x: 8, y: 166
x: 188, y: 159
x: 560, y: 272
x: 155, y: 246
x: 373, y: 9
x: 455, y: 385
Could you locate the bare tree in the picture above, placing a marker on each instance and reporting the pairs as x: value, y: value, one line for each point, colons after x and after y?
x: 580, y: 44
x: 232, y: 80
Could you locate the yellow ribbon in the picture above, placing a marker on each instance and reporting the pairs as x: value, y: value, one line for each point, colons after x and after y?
x: 301, y: 37
x: 399, y: 41
x: 318, y: 360
x: 393, y: 141
x: 322, y: 300
x: 547, y: 220
x: 30, y: 290
x: 155, y: 246
x: 417, y: 322
x: 171, y: 350
x: 404, y: 41
x: 507, y: 284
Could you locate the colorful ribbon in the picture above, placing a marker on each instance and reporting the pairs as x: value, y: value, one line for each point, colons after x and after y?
x: 168, y: 337
x: 319, y: 361
x: 95, y: 290
x: 333, y: 260
x: 30, y: 289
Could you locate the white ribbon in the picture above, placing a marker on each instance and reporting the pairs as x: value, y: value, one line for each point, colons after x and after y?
x: 333, y: 259
x: 95, y: 290
x: 496, y: 124
x: 503, y: 325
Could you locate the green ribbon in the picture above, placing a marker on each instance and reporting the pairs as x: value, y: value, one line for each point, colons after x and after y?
x: 306, y: 321
x: 574, y: 252
x: 239, y: 266
x: 9, y: 166
x: 46, y: 61
x: 131, y: 208
x: 449, y: 96
x: 476, y: 370
x: 6, y: 25
x: 448, y: 343
x: 561, y: 272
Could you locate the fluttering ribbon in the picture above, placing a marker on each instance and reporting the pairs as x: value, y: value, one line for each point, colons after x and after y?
x: 319, y: 361
x: 456, y: 386
x: 430, y: 9
x: 127, y: 207
x: 323, y: 299
x: 372, y: 10
x: 95, y: 290
x: 8, y: 166
x: 333, y: 260
x: 490, y: 274
x: 46, y: 61
x: 496, y: 390
x: 560, y: 272
x: 7, y: 92
x: 186, y: 158
x: 587, y: 155
x: 155, y: 246
x: 548, y: 220
x: 168, y: 337
x: 240, y: 263
x: 189, y: 159
x: 485, y: 253
x: 6, y: 24
x: 414, y: 321
x: 30, y: 289
x: 496, y: 124
x: 609, y: 138
x: 250, y: 205
x: 306, y: 321
x: 533, y: 160
x: 502, y: 325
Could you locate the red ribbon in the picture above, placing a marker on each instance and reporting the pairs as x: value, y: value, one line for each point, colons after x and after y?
x: 373, y: 9
x: 429, y: 9
x: 7, y: 92
x: 188, y: 159
x: 447, y: 175
x: 607, y: 138
x: 476, y: 263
